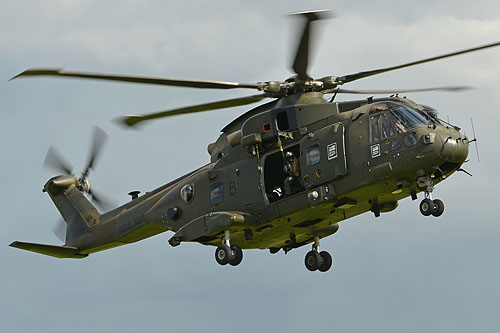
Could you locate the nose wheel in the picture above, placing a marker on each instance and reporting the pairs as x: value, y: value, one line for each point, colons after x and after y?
x: 318, y: 261
x: 428, y: 206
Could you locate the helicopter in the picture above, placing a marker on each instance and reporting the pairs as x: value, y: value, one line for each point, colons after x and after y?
x: 281, y: 176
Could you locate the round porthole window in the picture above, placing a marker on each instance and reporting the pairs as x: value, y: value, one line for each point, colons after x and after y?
x: 187, y: 193
x: 410, y: 139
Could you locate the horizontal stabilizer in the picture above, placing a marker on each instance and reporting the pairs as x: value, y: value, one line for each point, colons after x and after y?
x: 50, y: 250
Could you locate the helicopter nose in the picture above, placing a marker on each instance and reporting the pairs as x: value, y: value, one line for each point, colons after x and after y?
x: 455, y: 147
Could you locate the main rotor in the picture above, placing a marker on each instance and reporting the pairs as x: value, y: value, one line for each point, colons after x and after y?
x: 300, y: 83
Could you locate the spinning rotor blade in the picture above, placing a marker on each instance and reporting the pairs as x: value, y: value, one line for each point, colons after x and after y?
x: 302, y: 55
x: 399, y: 91
x: 228, y: 103
x: 360, y: 75
x: 54, y: 160
x: 98, y: 142
x: 191, y: 83
x: 59, y: 230
x: 103, y: 203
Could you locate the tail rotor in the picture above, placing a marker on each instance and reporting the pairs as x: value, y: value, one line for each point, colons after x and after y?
x: 55, y: 161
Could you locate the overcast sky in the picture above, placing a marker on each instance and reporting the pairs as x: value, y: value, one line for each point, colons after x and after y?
x: 401, y: 272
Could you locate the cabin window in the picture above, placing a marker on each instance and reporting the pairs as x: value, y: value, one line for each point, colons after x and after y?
x: 232, y: 188
x: 216, y: 193
x: 187, y: 193
x: 313, y: 155
x: 282, y: 121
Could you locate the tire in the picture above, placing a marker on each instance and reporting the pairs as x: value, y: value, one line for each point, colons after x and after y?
x: 438, y: 208
x: 312, y: 260
x: 222, y: 254
x: 326, y: 261
x: 426, y: 207
x: 237, y: 255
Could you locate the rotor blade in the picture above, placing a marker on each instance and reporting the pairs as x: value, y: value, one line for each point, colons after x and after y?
x: 301, y: 61
x: 59, y: 230
x: 191, y: 83
x: 55, y: 161
x: 228, y: 103
x: 399, y: 91
x: 98, y: 142
x: 360, y: 75
x: 103, y: 203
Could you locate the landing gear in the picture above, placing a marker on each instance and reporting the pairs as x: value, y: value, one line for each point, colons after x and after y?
x: 227, y: 253
x: 237, y: 255
x: 313, y: 260
x: 431, y: 207
x: 428, y: 206
x: 316, y: 260
x: 326, y: 261
x: 222, y: 254
x: 438, y: 208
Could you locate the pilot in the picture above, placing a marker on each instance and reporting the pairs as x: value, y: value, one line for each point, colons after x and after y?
x: 399, y: 126
x: 376, y: 135
x: 292, y: 183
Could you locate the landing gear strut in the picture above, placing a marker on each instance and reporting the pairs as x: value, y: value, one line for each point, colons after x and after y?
x: 316, y: 260
x: 227, y: 253
x: 428, y: 206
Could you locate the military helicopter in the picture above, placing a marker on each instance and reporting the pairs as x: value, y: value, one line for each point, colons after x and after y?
x: 281, y: 176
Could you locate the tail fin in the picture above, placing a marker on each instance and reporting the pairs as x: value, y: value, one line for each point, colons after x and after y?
x: 79, y: 214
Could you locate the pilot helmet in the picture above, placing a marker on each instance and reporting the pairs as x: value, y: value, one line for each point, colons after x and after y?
x: 289, y: 156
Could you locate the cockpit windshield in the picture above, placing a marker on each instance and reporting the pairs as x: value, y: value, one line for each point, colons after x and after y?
x: 403, y: 116
x: 432, y: 114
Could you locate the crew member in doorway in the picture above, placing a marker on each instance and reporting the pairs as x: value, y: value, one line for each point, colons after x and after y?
x: 292, y: 182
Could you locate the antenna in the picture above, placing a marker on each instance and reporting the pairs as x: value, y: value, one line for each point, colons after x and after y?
x: 474, y: 139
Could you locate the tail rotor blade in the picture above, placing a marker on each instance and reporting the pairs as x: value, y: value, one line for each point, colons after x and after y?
x: 99, y: 140
x: 54, y: 160
x: 103, y: 203
x: 59, y: 230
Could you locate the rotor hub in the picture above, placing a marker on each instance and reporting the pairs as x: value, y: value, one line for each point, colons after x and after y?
x: 295, y: 85
x: 84, y: 184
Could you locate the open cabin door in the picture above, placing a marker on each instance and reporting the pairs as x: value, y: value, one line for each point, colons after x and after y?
x: 322, y: 155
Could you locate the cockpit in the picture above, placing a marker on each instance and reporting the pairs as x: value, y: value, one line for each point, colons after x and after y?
x: 388, y: 118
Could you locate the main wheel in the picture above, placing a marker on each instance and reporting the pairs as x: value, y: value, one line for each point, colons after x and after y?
x: 326, y: 261
x: 237, y: 255
x: 426, y: 207
x: 313, y: 260
x: 223, y: 254
x: 438, y: 208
